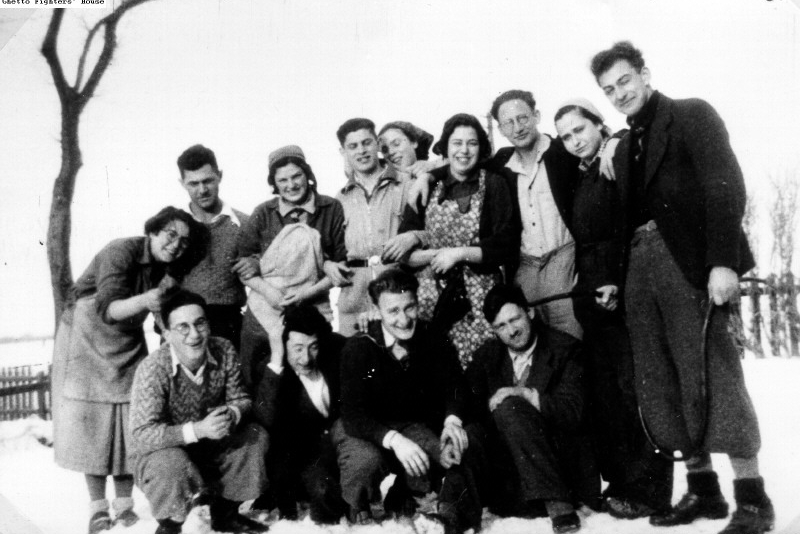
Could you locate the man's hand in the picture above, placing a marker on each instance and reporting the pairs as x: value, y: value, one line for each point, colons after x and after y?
x: 607, y: 159
x: 411, y: 455
x: 420, y: 191
x: 397, y: 247
x: 294, y: 298
x: 453, y: 433
x: 445, y: 259
x: 246, y: 268
x: 216, y: 425
x: 608, y: 298
x: 723, y: 285
x: 338, y: 272
x: 448, y: 457
x: 529, y: 394
x: 364, y: 318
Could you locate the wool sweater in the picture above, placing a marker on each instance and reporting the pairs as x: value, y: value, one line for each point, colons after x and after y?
x: 162, y: 402
x: 212, y: 277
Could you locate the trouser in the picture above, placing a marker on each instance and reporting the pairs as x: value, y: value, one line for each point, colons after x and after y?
x: 549, y: 275
x: 363, y: 465
x: 625, y: 458
x: 225, y: 321
x: 232, y: 467
x: 255, y: 351
x: 665, y: 316
x: 307, y: 470
x: 547, y: 464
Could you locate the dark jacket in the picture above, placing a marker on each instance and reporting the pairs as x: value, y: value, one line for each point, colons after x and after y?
x: 694, y: 188
x: 378, y: 395
x: 556, y: 373
x: 283, y: 406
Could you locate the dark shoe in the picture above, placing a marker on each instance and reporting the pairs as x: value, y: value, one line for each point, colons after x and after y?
x: 168, y: 526
x: 691, y: 507
x: 566, y: 523
x: 264, y: 503
x: 238, y: 523
x: 99, y: 522
x: 126, y: 518
x: 448, y: 522
x: 360, y: 517
x: 750, y: 519
x: 399, y: 502
x: 622, y: 508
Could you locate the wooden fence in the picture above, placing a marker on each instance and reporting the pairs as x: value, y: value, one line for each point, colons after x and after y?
x: 24, y: 392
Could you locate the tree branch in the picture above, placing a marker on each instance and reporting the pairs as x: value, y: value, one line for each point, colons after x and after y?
x: 110, y: 23
x: 51, y: 55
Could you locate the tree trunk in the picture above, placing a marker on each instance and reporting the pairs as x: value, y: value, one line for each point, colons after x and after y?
x: 60, y: 224
x: 756, y: 319
x: 774, y: 319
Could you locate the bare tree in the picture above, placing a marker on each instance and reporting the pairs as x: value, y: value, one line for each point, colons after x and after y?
x: 783, y: 223
x: 73, y: 100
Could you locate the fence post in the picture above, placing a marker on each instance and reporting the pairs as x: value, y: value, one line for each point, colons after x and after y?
x: 756, y: 318
x: 774, y: 319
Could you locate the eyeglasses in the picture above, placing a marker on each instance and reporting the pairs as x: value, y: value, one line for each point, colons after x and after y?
x: 522, y: 120
x: 201, y: 325
x: 173, y: 236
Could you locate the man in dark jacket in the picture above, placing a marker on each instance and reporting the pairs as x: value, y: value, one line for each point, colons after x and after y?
x: 528, y: 390
x: 298, y: 403
x: 683, y: 197
x: 403, y: 406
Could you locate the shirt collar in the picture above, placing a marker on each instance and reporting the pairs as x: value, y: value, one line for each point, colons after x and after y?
x: 388, y: 339
x: 310, y: 205
x: 146, y: 257
x: 176, y: 363
x: 226, y: 211
x: 526, y: 355
x: 389, y: 174
x: 515, y: 161
x: 646, y: 114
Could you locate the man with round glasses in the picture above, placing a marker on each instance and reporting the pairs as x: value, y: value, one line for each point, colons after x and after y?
x: 189, y: 423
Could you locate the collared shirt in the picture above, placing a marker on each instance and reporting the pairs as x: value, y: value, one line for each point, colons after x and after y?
x: 301, y: 213
x: 543, y: 229
x: 318, y: 392
x: 372, y: 219
x: 522, y: 361
x: 226, y: 211
x: 197, y: 378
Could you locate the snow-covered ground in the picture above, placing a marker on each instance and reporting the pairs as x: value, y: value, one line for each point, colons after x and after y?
x: 55, y: 500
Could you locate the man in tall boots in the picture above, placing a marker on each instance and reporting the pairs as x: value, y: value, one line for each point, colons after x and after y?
x: 683, y: 198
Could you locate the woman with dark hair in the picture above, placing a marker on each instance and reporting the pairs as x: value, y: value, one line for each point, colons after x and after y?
x: 463, y: 237
x: 293, y: 235
x: 640, y: 482
x: 99, y: 343
x: 406, y: 147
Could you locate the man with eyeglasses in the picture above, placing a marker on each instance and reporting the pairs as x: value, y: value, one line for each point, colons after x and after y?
x: 216, y: 275
x: 192, y: 442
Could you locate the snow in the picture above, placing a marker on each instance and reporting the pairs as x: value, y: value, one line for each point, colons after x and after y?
x: 56, y: 502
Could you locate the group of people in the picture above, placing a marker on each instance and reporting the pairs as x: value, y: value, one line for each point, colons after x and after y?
x: 451, y: 367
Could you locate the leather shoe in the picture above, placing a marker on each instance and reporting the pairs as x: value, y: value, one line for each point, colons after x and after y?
x: 623, y: 508
x: 691, y: 507
x: 359, y: 517
x: 750, y: 519
x: 168, y: 526
x: 566, y: 523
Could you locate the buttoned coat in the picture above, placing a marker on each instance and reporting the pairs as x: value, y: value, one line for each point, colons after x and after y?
x: 694, y: 188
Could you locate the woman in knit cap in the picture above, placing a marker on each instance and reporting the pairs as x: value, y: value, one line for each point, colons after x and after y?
x: 639, y: 480
x: 293, y: 235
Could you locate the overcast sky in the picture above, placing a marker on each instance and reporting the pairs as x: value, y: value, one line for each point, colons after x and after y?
x: 247, y: 76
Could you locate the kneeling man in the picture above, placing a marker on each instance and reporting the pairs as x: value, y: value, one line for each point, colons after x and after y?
x: 297, y: 401
x: 402, y: 410
x: 188, y: 421
x: 528, y: 390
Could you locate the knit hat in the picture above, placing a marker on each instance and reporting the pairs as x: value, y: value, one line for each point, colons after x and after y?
x: 582, y: 103
x: 285, y: 152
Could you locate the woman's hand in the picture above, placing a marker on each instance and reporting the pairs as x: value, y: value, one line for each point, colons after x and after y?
x: 151, y: 299
x: 294, y: 298
x: 445, y: 259
x: 338, y: 272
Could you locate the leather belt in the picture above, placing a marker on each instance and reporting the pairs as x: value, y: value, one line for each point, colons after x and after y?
x: 357, y: 263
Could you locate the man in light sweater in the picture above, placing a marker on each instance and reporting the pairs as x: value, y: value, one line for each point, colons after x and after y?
x: 216, y: 276
x: 189, y: 422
